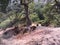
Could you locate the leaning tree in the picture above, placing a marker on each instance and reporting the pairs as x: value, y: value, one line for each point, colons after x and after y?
x: 26, y: 3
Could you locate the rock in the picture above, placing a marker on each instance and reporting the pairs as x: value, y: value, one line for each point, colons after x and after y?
x: 11, y: 32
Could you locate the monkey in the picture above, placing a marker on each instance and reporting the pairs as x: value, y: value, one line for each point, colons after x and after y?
x: 32, y: 28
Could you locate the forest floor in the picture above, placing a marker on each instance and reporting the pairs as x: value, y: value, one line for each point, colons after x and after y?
x: 40, y: 36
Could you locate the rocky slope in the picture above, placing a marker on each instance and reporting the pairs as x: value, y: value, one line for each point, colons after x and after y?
x: 41, y: 36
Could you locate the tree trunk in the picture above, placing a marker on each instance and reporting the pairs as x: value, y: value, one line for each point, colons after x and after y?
x: 28, y: 21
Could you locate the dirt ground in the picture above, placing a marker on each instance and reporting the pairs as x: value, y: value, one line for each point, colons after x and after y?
x: 40, y: 36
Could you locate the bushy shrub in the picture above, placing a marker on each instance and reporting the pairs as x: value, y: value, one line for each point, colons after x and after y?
x: 34, y: 17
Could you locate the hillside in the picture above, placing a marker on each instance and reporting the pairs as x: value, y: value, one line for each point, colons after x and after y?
x: 40, y: 36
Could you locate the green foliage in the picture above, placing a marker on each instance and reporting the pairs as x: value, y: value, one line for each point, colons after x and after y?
x: 34, y: 17
x: 51, y: 16
x: 6, y: 22
x: 31, y: 8
x: 45, y: 15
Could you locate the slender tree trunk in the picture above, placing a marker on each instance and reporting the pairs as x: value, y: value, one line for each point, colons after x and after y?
x: 28, y: 21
